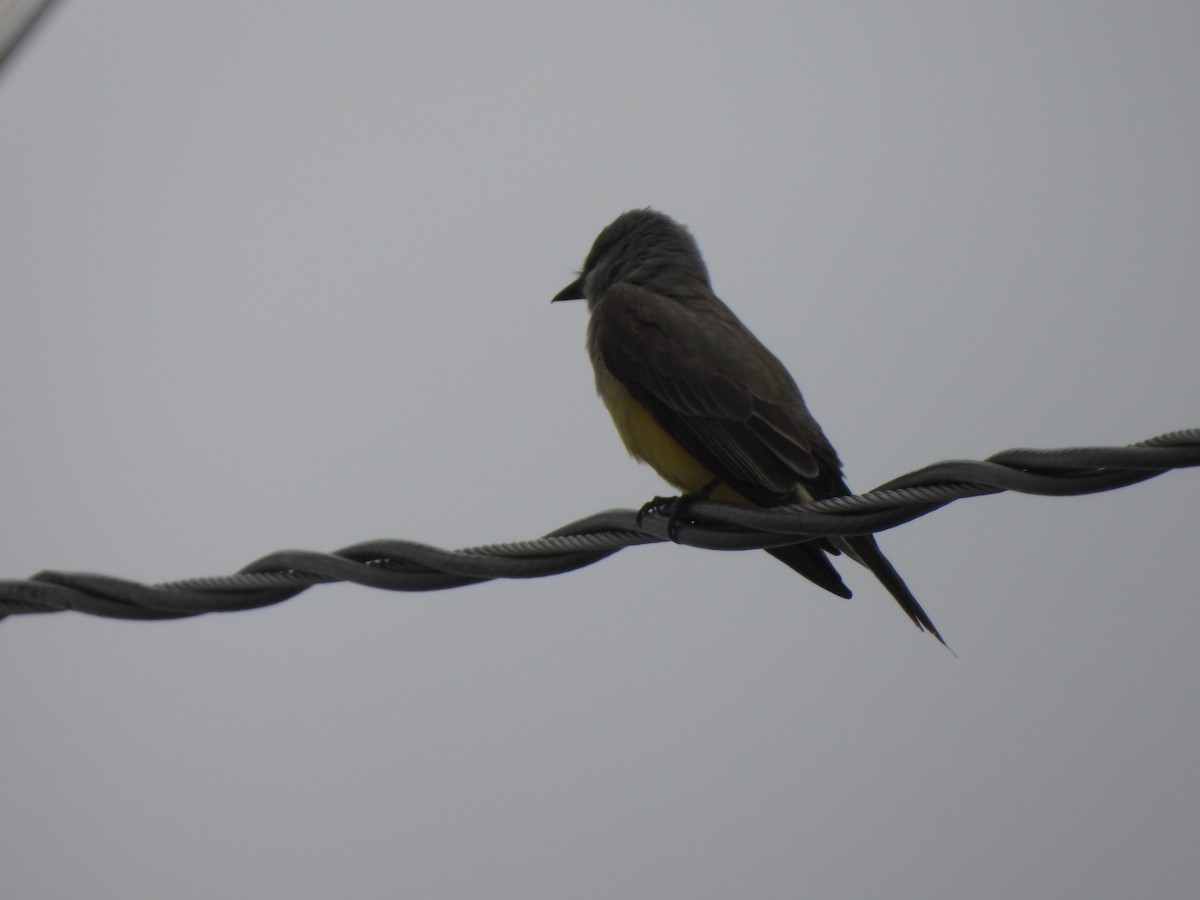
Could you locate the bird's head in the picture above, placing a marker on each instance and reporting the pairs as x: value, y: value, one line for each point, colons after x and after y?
x: 642, y: 247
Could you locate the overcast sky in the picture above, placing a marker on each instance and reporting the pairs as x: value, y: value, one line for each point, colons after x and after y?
x: 277, y: 275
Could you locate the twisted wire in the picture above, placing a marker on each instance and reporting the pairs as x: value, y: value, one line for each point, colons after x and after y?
x: 17, y: 19
x: 399, y: 565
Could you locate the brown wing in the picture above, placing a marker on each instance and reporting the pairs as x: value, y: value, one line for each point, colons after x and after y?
x: 716, y: 390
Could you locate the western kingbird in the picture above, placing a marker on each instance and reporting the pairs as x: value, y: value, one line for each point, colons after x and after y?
x: 698, y: 397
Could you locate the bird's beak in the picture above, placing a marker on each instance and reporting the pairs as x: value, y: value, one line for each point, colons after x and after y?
x: 573, y: 291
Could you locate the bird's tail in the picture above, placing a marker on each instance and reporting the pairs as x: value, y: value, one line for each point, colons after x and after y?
x: 864, y: 550
x: 809, y: 560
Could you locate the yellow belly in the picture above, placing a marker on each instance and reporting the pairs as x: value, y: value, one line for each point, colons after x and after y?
x: 649, y: 443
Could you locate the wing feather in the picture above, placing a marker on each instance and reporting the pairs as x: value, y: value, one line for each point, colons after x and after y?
x: 716, y: 390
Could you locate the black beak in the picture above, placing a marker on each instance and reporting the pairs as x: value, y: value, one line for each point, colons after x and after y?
x: 573, y: 291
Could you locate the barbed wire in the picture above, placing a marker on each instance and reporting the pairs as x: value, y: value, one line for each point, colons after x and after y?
x: 398, y: 565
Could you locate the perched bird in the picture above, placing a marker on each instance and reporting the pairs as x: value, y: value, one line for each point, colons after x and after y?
x: 697, y: 396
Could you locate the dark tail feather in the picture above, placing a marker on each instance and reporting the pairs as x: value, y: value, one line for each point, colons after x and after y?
x: 864, y: 549
x: 810, y: 561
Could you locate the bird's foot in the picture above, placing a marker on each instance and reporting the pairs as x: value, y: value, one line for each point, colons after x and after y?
x: 658, y: 505
x: 675, y: 508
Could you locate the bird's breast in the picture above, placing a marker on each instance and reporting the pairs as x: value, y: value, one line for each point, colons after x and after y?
x: 645, y: 439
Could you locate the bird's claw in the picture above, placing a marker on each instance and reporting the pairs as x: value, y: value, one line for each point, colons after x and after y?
x: 675, y: 508
x: 661, y: 505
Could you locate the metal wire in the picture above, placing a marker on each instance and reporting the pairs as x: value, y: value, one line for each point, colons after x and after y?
x: 17, y: 18
x: 397, y: 565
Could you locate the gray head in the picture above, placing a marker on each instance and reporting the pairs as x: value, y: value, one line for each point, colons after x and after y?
x: 642, y: 247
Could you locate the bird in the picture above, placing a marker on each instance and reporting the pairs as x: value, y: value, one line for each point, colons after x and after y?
x: 693, y: 393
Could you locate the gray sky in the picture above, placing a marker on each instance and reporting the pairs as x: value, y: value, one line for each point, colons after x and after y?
x: 278, y: 276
